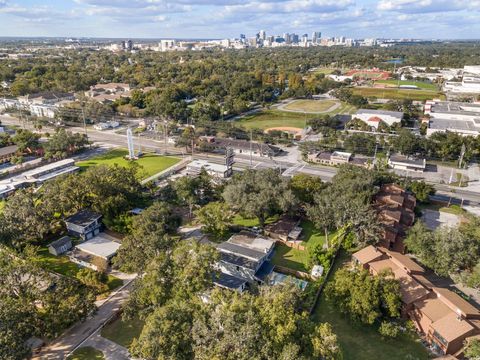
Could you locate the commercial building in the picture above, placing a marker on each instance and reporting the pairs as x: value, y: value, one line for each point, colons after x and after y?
x: 459, y: 117
x: 373, y: 118
x: 441, y: 316
x: 246, y: 148
x: 404, y: 163
x: 337, y: 158
x: 217, y: 171
x: 7, y: 152
x: 470, y: 82
x: 37, y: 176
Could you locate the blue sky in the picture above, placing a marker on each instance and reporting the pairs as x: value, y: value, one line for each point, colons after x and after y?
x: 428, y: 19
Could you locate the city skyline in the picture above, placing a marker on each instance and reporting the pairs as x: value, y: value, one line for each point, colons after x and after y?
x: 426, y: 19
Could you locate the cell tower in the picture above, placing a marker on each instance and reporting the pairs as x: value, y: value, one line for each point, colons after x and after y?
x: 131, y: 150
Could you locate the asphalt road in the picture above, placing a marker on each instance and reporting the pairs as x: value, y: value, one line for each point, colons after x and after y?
x: 61, y: 347
x: 444, y: 192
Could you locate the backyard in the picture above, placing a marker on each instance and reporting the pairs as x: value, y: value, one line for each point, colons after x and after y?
x: 363, y: 342
x: 419, y: 95
x: 151, y: 164
x: 299, y: 259
x: 62, y: 265
x: 123, y: 332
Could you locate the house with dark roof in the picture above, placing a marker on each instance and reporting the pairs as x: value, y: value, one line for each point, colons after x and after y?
x: 60, y: 246
x: 285, y: 229
x: 85, y: 224
x: 246, y: 256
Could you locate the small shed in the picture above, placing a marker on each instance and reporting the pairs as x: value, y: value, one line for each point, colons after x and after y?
x: 60, y: 246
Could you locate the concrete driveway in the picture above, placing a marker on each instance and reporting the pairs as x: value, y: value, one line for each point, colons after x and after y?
x: 434, y: 219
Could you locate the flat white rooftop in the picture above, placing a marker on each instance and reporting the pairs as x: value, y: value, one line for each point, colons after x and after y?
x: 199, y: 164
x: 102, y: 245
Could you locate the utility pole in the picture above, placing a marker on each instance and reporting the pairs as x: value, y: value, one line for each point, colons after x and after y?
x: 84, y: 122
x: 251, y: 139
x: 165, y: 129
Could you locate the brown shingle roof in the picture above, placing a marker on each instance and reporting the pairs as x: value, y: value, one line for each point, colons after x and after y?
x: 455, y: 302
x: 367, y: 254
x: 450, y: 327
x: 405, y: 262
x: 8, y: 150
x: 410, y: 289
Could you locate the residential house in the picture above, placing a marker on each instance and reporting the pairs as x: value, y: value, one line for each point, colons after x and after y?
x: 99, y: 249
x: 285, y: 229
x: 444, y: 318
x: 246, y: 256
x: 395, y: 211
x: 85, y: 224
x: 405, y: 163
x: 60, y: 246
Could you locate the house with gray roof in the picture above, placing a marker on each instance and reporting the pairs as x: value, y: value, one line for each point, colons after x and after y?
x: 246, y: 256
x: 60, y: 246
x: 85, y: 224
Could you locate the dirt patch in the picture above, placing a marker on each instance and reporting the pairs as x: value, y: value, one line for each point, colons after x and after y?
x: 288, y: 129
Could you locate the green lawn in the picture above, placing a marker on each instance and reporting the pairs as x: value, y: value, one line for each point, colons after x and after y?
x: 362, y: 342
x: 419, y: 95
x: 298, y: 259
x: 2, y: 205
x: 62, y: 265
x: 291, y: 258
x: 86, y: 353
x: 310, y: 105
x: 151, y: 164
x: 419, y: 84
x: 241, y: 221
x: 325, y: 71
x: 311, y: 235
x: 276, y: 118
x: 123, y: 332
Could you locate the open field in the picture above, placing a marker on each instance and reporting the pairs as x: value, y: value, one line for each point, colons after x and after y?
x: 363, y: 342
x: 325, y: 71
x: 319, y: 106
x: 276, y: 118
x: 365, y: 74
x: 86, y: 353
x: 419, y: 84
x: 419, y: 95
x: 123, y: 332
x: 151, y: 164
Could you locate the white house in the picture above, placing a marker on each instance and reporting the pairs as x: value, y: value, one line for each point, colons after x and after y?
x: 374, y: 117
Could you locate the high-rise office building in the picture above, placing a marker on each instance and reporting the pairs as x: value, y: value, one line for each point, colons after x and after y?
x: 316, y: 36
x: 262, y: 34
